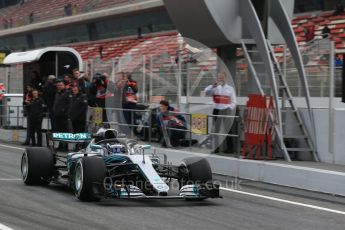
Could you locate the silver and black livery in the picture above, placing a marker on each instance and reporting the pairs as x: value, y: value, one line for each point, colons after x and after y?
x: 114, y: 166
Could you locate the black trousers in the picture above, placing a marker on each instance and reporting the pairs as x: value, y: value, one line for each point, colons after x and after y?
x: 61, y: 126
x: 36, y: 128
x: 222, y: 126
x: 129, y: 115
x: 28, y: 130
x: 78, y: 126
x: 60, y: 123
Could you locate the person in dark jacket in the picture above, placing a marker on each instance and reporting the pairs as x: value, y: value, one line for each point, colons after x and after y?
x: 60, y: 112
x: 78, y: 110
x: 49, y: 91
x: 35, y: 118
x: 168, y: 117
x: 129, y: 98
x: 36, y: 80
x: 27, y: 99
x: 80, y: 80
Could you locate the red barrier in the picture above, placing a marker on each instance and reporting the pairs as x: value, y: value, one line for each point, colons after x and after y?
x: 257, y: 129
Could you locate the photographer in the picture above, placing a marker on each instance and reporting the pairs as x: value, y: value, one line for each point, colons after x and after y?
x: 99, y: 92
x: 168, y: 117
x: 80, y: 80
x: 129, y: 89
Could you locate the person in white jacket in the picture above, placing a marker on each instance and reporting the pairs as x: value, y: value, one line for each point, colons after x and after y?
x: 224, y: 100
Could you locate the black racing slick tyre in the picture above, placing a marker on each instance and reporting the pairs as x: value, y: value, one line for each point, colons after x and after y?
x: 195, y: 170
x: 37, y: 166
x: 89, y: 176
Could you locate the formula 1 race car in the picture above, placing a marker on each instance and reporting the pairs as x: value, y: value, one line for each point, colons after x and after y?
x: 114, y: 166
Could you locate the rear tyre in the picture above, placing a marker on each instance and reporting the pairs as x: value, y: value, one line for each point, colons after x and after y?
x: 37, y: 166
x: 89, y: 176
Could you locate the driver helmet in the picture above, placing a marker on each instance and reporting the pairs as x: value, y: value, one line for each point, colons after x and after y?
x: 116, y: 149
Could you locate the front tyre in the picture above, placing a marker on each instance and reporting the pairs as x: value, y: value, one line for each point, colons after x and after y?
x: 89, y: 176
x: 195, y: 170
x: 37, y: 165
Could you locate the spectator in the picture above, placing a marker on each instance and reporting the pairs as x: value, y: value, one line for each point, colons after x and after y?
x: 60, y: 111
x: 36, y: 81
x: 167, y: 118
x: 5, y: 23
x: 100, y: 92
x: 338, y: 61
x: 309, y: 33
x: 129, y: 89
x: 49, y: 91
x: 75, y: 9
x: 339, y: 9
x: 80, y: 80
x: 26, y: 103
x: 77, y: 110
x: 325, y: 31
x: 224, y: 99
x: 68, y: 9
x: 67, y: 81
x: 36, y: 116
x: 31, y: 17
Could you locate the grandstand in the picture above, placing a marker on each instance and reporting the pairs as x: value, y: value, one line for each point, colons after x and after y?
x: 18, y: 15
x: 104, y: 30
x: 42, y: 10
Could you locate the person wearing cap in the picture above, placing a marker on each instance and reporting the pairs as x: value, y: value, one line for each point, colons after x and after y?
x: 224, y: 100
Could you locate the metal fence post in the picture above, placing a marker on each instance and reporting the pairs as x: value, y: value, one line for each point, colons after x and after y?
x: 150, y: 126
x: 238, y: 147
x: 144, y: 79
x: 331, y: 102
x: 151, y: 79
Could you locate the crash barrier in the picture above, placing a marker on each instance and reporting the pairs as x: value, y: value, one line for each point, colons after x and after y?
x: 197, y: 124
x: 259, y: 121
x: 15, y: 117
x: 144, y: 125
x: 11, y: 116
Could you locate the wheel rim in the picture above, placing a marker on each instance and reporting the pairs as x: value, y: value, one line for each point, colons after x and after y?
x: 24, y: 166
x: 78, y: 179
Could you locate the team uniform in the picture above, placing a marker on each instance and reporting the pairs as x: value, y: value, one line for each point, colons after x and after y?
x: 224, y: 100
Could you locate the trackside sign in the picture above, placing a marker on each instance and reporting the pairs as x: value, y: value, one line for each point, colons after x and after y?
x: 72, y: 136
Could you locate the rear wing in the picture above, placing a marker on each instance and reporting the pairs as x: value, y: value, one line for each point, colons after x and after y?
x: 70, y: 137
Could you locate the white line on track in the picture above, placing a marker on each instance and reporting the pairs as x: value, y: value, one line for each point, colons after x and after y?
x: 12, y: 147
x: 9, y: 179
x: 285, y: 201
x: 239, y: 192
x: 4, y: 227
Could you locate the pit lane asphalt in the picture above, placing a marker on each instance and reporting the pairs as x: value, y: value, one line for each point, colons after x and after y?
x: 55, y: 207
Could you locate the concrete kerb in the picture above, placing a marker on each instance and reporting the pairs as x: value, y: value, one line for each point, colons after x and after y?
x: 307, y: 178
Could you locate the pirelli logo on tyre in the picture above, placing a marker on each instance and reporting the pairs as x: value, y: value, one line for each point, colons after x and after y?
x: 199, y: 124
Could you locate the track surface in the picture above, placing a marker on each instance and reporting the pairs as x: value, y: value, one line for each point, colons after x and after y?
x: 55, y: 207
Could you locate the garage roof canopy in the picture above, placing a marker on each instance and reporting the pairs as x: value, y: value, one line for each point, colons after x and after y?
x: 35, y: 55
